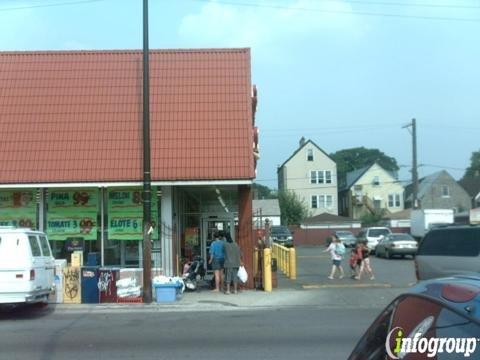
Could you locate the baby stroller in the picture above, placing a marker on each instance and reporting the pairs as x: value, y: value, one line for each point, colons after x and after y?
x: 194, y: 273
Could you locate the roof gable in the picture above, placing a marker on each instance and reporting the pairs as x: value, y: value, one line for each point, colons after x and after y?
x: 76, y: 116
x: 354, y: 176
x: 300, y: 149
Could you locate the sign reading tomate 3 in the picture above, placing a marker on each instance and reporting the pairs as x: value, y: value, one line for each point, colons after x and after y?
x: 72, y: 213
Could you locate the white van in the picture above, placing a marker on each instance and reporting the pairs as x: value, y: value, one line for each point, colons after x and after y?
x: 27, y: 267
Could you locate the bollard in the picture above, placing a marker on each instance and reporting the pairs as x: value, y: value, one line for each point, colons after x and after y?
x: 267, y: 270
x: 255, y: 261
x: 293, y: 264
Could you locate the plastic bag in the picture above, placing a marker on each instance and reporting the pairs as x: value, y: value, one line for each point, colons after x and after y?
x: 242, y: 274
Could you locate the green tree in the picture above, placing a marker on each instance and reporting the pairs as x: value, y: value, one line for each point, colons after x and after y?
x: 473, y: 170
x: 372, y: 219
x: 263, y: 192
x: 356, y: 158
x: 292, y: 208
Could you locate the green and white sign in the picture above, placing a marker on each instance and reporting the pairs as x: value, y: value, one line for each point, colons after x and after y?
x: 61, y: 227
x: 61, y: 200
x: 18, y: 208
x: 72, y: 213
x: 125, y: 214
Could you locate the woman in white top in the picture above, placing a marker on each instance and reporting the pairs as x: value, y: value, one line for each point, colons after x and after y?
x: 337, y: 250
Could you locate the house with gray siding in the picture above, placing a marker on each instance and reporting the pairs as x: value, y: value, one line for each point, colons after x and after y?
x: 439, y: 191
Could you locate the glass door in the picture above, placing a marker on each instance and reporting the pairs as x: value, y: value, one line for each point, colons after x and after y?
x: 210, y: 226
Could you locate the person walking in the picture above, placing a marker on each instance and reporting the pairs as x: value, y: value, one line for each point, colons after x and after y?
x: 337, y: 250
x: 232, y: 263
x: 365, y: 265
x: 217, y: 260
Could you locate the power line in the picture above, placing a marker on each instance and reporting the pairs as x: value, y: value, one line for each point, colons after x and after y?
x: 421, y: 5
x: 364, y: 13
x: 79, y: 2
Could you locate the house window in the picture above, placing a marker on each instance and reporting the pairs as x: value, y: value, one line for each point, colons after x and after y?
x: 309, y: 155
x: 314, y: 202
x: 329, y: 201
x: 328, y: 177
x: 376, y: 181
x: 445, y: 191
x: 313, y: 177
x: 321, y: 201
x: 393, y: 200
x: 321, y: 177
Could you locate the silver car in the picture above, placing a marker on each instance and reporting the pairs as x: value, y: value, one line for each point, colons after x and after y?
x: 396, y: 244
x: 346, y: 237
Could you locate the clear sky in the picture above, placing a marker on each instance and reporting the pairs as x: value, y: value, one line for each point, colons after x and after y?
x: 341, y: 73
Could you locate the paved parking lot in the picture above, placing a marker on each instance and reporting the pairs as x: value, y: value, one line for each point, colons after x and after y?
x: 314, y: 265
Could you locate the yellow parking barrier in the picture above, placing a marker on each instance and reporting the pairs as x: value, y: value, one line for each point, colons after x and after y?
x: 293, y: 264
x: 267, y: 270
x: 286, y: 260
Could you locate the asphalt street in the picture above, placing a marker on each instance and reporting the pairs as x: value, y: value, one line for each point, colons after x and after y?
x: 302, y: 333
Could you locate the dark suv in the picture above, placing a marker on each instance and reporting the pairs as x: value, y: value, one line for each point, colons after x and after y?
x: 448, y: 250
x: 281, y: 235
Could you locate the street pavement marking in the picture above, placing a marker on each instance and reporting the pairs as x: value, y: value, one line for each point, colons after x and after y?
x: 327, y: 286
x: 312, y: 256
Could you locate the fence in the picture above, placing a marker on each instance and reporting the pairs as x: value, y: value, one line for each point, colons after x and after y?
x: 286, y: 260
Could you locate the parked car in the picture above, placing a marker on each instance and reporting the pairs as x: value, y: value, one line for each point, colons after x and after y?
x: 397, y: 244
x: 373, y: 235
x: 414, y: 325
x: 347, y: 238
x: 448, y: 250
x: 281, y: 235
x: 27, y: 266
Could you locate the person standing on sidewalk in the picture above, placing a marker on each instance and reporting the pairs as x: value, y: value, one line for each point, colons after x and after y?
x: 217, y: 260
x: 337, y: 250
x: 232, y: 263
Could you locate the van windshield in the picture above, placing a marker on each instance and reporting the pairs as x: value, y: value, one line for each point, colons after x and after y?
x: 451, y: 242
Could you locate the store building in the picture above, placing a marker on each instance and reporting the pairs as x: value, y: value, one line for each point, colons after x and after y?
x: 71, y: 151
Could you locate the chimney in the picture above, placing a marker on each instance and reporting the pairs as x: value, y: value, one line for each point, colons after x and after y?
x: 302, y: 141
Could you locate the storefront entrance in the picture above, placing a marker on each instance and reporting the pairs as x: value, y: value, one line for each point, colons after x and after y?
x: 211, y: 224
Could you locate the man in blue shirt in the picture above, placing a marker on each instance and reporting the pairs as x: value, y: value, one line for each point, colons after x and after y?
x: 217, y: 259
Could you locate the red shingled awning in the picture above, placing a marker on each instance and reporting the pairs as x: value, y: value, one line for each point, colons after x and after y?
x: 77, y: 116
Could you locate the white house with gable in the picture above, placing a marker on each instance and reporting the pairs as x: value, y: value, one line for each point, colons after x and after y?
x: 312, y: 175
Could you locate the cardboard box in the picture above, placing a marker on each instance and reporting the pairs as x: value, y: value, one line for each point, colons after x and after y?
x: 77, y: 259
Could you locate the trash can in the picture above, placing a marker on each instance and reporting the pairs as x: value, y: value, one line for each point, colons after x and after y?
x: 107, y: 285
x: 89, y: 278
x: 166, y: 293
